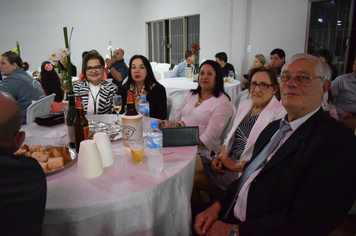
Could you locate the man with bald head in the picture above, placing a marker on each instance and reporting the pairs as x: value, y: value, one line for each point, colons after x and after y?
x: 117, y: 69
x: 23, y: 186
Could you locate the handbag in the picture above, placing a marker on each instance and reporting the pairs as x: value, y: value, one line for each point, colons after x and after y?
x: 180, y: 136
x: 50, y: 119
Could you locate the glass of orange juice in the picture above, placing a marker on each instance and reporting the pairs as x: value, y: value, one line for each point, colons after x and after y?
x: 136, y: 152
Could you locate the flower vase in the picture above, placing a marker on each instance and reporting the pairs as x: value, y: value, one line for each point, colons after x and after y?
x: 196, y: 72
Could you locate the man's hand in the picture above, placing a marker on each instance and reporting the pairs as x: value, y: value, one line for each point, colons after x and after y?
x: 108, y: 62
x: 205, y: 219
x: 221, y: 228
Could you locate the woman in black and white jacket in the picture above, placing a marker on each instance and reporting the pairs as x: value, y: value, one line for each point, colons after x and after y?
x: 97, y: 94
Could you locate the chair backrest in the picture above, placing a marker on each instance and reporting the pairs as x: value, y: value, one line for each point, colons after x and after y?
x: 153, y: 65
x: 167, y: 74
x: 40, y: 107
x: 177, y: 97
x: 229, y: 123
x: 162, y: 67
x: 157, y: 75
x: 169, y: 106
x: 125, y: 80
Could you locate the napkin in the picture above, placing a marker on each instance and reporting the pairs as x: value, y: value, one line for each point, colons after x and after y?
x: 54, y: 133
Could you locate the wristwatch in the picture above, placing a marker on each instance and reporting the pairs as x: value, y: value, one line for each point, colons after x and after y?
x: 233, y: 231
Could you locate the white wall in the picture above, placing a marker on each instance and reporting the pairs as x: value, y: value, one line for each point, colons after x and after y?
x: 231, y: 25
x: 225, y: 25
x: 38, y: 26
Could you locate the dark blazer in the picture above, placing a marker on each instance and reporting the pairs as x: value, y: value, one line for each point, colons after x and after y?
x: 309, y: 184
x: 23, y: 192
x: 157, y: 99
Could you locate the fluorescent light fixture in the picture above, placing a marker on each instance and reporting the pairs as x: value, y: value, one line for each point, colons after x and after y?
x: 320, y: 20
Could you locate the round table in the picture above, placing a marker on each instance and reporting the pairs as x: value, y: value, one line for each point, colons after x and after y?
x: 126, y: 199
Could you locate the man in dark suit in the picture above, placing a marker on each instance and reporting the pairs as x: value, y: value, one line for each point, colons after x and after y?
x: 23, y: 186
x: 308, y: 183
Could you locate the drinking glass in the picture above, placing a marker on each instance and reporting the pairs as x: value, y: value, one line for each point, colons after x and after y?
x: 231, y: 76
x: 117, y: 103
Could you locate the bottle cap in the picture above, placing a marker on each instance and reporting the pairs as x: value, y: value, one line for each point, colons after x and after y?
x: 143, y: 97
x: 154, y: 124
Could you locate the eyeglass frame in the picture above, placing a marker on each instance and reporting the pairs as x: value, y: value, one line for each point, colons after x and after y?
x: 259, y: 85
x: 299, y: 79
x: 96, y: 68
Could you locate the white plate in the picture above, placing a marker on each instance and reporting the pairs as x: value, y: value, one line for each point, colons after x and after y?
x: 73, y: 155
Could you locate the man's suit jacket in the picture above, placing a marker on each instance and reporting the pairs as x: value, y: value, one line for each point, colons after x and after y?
x: 23, y: 191
x: 309, y: 184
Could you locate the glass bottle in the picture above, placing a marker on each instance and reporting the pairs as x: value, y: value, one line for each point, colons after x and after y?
x: 130, y: 105
x: 81, y: 124
x: 70, y: 118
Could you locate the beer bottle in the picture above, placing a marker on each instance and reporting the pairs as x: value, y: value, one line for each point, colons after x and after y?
x: 70, y: 118
x: 130, y: 105
x: 81, y: 126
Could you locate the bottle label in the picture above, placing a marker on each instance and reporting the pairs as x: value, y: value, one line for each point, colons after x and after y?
x: 144, y: 108
x: 154, y: 142
x: 86, y: 132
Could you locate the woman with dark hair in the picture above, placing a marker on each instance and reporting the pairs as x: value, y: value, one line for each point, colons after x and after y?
x: 23, y: 88
x: 51, y: 83
x: 97, y: 94
x: 207, y: 106
x: 63, y: 66
x: 141, y: 81
x: 214, y: 174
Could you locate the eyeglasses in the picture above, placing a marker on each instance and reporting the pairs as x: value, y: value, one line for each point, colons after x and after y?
x: 263, y: 86
x: 299, y: 79
x: 98, y: 67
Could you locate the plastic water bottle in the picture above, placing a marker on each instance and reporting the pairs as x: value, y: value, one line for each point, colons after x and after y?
x: 144, y: 109
x: 155, y: 148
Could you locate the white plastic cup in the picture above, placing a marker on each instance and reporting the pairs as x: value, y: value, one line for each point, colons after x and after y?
x: 89, y: 160
x: 104, y: 146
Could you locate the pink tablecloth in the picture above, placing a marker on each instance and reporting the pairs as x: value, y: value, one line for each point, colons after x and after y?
x: 126, y: 200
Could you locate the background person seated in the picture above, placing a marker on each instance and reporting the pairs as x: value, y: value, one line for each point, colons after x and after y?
x: 208, y: 107
x: 23, y: 88
x: 63, y: 66
x: 51, y: 83
x: 23, y: 186
x: 116, y: 69
x: 258, y: 61
x: 215, y: 174
x: 97, y: 94
x: 278, y: 59
x: 179, y: 71
x: 221, y: 58
x: 344, y: 91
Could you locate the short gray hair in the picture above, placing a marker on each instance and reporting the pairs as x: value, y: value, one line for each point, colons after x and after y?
x: 321, y: 69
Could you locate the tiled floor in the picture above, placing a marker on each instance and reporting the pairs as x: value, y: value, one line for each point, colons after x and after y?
x: 346, y: 228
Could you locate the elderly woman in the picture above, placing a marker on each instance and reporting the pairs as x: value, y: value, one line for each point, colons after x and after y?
x: 142, y: 82
x: 253, y: 115
x: 208, y: 107
x: 23, y: 88
x: 51, y: 83
x: 97, y: 94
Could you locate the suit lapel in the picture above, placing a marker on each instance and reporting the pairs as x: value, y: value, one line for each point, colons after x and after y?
x: 293, y: 142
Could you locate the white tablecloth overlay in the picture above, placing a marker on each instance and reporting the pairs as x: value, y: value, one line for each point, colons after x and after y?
x: 126, y: 199
x: 178, y: 88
